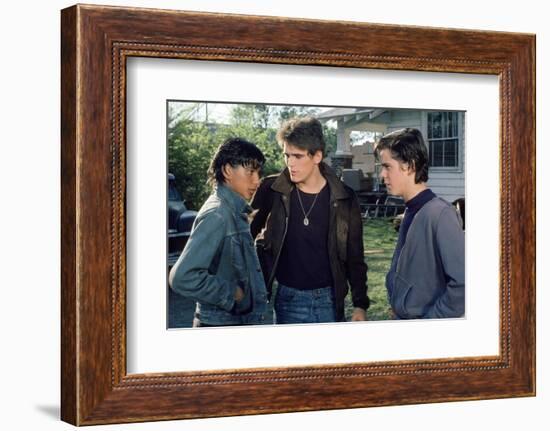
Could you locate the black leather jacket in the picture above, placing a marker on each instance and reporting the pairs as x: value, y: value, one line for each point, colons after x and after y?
x: 345, y: 240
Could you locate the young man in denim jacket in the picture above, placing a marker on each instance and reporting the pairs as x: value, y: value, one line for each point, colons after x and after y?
x: 426, y: 277
x: 219, y: 267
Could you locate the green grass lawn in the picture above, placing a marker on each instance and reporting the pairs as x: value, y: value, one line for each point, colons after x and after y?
x: 379, y: 239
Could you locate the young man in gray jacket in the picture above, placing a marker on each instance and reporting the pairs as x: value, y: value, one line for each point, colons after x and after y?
x: 426, y: 277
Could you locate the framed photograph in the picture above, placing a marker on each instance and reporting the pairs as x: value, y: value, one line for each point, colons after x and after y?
x: 350, y: 135
x: 126, y: 76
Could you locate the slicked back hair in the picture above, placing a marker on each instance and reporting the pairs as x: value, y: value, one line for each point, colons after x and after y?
x: 235, y: 152
x: 407, y: 146
x: 305, y: 133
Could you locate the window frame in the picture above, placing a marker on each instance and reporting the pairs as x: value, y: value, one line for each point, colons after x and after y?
x: 461, y: 139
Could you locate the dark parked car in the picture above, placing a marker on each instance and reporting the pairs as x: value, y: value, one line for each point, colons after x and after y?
x: 180, y: 222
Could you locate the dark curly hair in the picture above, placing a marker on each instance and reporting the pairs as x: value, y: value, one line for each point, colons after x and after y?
x: 235, y: 152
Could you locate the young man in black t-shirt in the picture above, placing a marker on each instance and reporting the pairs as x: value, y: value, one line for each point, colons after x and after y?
x: 308, y: 233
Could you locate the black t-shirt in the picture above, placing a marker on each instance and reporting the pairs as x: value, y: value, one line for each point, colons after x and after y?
x: 304, y: 262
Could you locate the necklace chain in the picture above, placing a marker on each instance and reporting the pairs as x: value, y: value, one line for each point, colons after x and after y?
x: 306, y: 219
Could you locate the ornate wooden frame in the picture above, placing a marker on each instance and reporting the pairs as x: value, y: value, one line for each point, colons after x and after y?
x: 96, y: 41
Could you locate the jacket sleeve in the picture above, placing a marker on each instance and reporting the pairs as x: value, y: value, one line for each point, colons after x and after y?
x: 190, y: 275
x: 356, y: 267
x: 262, y: 201
x: 450, y: 244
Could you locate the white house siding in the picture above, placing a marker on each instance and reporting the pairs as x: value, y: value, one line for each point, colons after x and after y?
x: 448, y: 183
x: 449, y: 186
x: 401, y: 119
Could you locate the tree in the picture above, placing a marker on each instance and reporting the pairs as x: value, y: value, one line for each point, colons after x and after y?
x: 330, y: 139
x: 190, y: 148
x: 192, y: 143
x: 289, y: 111
x: 249, y: 122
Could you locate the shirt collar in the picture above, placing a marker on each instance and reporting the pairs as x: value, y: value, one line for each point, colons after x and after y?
x: 419, y: 200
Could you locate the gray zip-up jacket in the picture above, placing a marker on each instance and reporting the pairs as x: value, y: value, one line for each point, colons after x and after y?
x: 429, y: 277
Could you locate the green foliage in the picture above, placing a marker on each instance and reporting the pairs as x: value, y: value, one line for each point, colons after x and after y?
x: 190, y: 147
x: 330, y: 139
x: 192, y: 143
x: 249, y: 122
x: 290, y: 111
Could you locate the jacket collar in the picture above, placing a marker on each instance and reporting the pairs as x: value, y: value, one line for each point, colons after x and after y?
x: 237, y: 204
x: 337, y: 190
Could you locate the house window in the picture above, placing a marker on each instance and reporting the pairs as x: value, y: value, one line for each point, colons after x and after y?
x: 443, y: 139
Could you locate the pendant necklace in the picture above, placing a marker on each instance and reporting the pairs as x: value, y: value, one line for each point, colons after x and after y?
x: 306, y: 219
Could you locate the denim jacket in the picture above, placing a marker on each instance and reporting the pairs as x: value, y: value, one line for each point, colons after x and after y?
x: 219, y: 256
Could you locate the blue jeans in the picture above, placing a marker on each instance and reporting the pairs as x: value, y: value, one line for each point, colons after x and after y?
x: 304, y: 306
